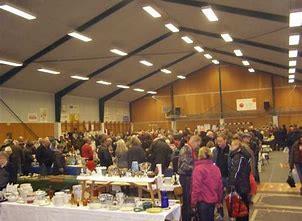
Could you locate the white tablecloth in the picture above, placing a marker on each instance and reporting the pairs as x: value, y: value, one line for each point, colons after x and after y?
x: 25, y: 212
x: 99, y: 178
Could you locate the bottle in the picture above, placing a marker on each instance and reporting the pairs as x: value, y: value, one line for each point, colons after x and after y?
x: 164, y: 199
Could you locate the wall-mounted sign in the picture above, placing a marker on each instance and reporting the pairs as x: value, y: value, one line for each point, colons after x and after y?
x: 248, y: 104
x: 43, y: 114
x: 32, y: 117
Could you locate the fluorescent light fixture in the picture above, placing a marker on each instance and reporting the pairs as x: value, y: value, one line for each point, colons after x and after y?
x: 147, y: 63
x: 294, y: 39
x: 181, y: 77
x: 245, y: 63
x: 78, y: 77
x: 104, y: 82
x: 151, y: 92
x: 48, y: 71
x: 292, y: 53
x: 295, y: 19
x: 151, y: 11
x: 251, y: 70
x: 79, y: 36
x: 17, y: 11
x: 138, y: 89
x: 291, y: 70
x: 187, y: 39
x: 209, y: 13
x: 122, y: 86
x: 238, y: 52
x: 10, y: 63
x: 292, y: 63
x: 166, y: 71
x: 215, y: 61
x: 291, y: 81
x: 198, y: 49
x: 172, y: 27
x: 118, y: 52
x: 226, y: 37
x: 291, y: 76
x: 208, y: 56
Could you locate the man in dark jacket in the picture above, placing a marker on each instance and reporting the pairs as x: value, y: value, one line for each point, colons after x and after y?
x: 103, y: 152
x: 160, y: 153
x: 185, y: 169
x: 59, y: 161
x: 7, y: 171
x: 44, y: 156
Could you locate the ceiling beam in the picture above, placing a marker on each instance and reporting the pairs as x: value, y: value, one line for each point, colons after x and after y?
x: 238, y: 40
x: 114, y: 93
x: 11, y: 73
x: 233, y: 10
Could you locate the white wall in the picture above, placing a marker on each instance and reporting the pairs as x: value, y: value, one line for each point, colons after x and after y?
x: 116, y: 110
x: 23, y: 102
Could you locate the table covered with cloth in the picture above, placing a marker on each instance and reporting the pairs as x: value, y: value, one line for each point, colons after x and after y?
x: 69, y: 169
x: 26, y: 212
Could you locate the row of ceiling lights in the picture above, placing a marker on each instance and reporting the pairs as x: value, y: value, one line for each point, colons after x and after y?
x: 295, y: 20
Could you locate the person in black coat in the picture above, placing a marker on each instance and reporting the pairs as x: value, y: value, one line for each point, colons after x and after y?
x: 59, y: 161
x: 8, y: 173
x: 44, y: 156
x: 28, y: 157
x: 103, y: 152
x: 135, y: 152
x: 239, y: 173
x: 160, y: 153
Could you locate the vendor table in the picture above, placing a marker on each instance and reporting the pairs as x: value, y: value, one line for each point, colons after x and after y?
x: 26, y: 212
x: 69, y: 169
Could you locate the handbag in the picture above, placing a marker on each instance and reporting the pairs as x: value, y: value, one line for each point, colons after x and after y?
x: 235, y: 206
x: 290, y: 180
x: 253, y: 185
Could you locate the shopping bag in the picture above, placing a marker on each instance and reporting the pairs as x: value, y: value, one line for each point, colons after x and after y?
x: 295, y: 175
x: 253, y: 185
x: 235, y: 206
x: 290, y: 180
x: 286, y: 150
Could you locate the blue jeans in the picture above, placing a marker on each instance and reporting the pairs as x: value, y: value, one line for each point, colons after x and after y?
x: 205, y: 211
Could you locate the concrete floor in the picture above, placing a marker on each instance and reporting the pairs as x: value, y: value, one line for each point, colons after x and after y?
x: 275, y: 201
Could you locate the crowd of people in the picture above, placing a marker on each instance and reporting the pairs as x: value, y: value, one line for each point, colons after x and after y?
x: 209, y: 163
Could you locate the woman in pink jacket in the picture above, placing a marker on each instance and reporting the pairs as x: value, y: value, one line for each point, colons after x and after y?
x: 207, y: 188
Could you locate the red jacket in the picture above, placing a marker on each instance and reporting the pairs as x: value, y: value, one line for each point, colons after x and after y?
x: 206, y: 183
x: 87, y: 152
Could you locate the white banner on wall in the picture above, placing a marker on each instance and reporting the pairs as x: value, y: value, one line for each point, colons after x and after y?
x: 32, y: 117
x: 43, y: 114
x: 246, y: 104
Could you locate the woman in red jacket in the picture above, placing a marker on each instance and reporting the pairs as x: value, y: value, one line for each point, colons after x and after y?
x: 207, y: 188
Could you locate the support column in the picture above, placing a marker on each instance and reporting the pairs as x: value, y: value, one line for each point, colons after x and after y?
x: 57, y: 129
x: 173, y: 120
x: 221, y: 120
x: 274, y: 114
x: 101, y: 110
x: 58, y: 103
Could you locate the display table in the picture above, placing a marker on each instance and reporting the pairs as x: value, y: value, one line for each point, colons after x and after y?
x: 25, y: 212
x: 69, y: 170
x: 120, y: 181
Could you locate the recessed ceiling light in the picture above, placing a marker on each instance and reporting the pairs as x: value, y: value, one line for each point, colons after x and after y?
x: 17, y: 11
x: 181, y: 77
x: 122, y: 86
x: 187, y: 39
x: 209, y: 13
x: 198, y: 49
x: 292, y: 63
x: 226, y: 37
x: 291, y: 76
x: 238, y: 52
x: 151, y: 92
x: 151, y: 11
x: 138, y: 89
x: 166, y: 71
x: 172, y: 27
x: 292, y: 53
x: 80, y: 77
x: 118, y: 52
x: 147, y: 63
x: 245, y: 63
x: 295, y: 19
x: 291, y: 81
x: 104, y: 82
x: 208, y: 56
x: 294, y: 39
x: 10, y: 63
x: 291, y: 70
x: 215, y: 61
x: 48, y: 71
x: 251, y: 70
x: 79, y: 36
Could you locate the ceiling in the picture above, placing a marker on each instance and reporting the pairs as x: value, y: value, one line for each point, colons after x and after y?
x: 123, y: 24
